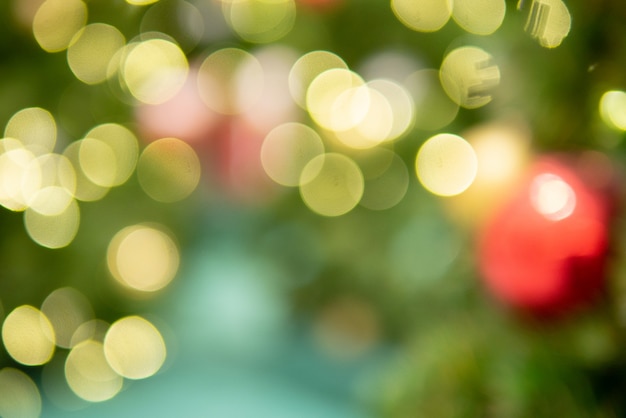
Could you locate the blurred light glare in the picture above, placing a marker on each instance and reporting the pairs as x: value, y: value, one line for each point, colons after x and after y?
x: 91, y: 50
x: 134, y: 347
x: 19, y: 395
x: 94, y: 329
x: 337, y: 99
x: 67, y: 309
x: 446, y: 164
x: 468, y: 75
x: 97, y: 162
x: 307, y: 68
x: 549, y: 21
x: 433, y: 108
x: 53, y: 231
x: 422, y: 15
x: 480, y: 17
x: 57, y: 170
x: 28, y: 336
x: 373, y: 115
x: 287, y: 149
x: 35, y: 128
x: 20, y: 177
x: 50, y: 200
x: 89, y: 375
x: 401, y: 105
x: 230, y: 80
x: 124, y: 149
x: 552, y: 197
x: 503, y: 151
x: 260, y: 21
x: 57, y: 21
x: 168, y: 170
x: 613, y: 109
x: 331, y: 184
x: 143, y: 258
x: 86, y: 190
x: 154, y: 70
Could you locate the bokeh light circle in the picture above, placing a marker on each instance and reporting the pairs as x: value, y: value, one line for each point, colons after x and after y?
x: 86, y: 190
x: 468, y: 75
x: 88, y: 373
x: 154, y: 70
x: 480, y: 17
x: 92, y: 50
x: 260, y: 21
x: 28, y: 336
x: 549, y: 21
x: 422, y: 15
x: 124, y: 146
x: 337, y: 99
x: 446, y: 164
x: 331, y: 184
x: 54, y: 231
x: 57, y: 21
x: 168, y: 170
x: 143, y: 258
x: 613, y: 109
x: 386, y: 180
x: 20, y: 177
x: 67, y: 309
x: 19, y: 395
x: 287, y: 149
x: 307, y: 68
x: 134, y: 347
x: 433, y: 108
x: 35, y: 128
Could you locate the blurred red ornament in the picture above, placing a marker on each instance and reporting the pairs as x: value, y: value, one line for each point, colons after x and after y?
x: 184, y: 116
x: 544, y: 251
x: 236, y: 160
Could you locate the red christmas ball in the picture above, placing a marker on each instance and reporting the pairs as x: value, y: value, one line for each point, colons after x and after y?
x: 235, y: 159
x: 544, y: 251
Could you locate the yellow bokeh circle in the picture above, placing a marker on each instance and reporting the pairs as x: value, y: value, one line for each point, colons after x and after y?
x: 143, y: 258
x: 331, y: 184
x: 422, y: 15
x: 19, y: 395
x: 468, y: 75
x: 134, y: 347
x: 88, y: 373
x: 28, y: 336
x: 168, y: 170
x: 446, y: 164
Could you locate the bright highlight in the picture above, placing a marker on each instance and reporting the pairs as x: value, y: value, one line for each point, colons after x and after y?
x: 134, y: 348
x: 143, y: 258
x: 446, y: 164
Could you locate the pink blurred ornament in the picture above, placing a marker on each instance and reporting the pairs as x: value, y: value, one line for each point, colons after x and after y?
x: 236, y: 160
x: 545, y: 250
x: 184, y: 116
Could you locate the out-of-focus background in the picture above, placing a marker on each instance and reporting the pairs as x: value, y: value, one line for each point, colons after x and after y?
x: 312, y: 208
